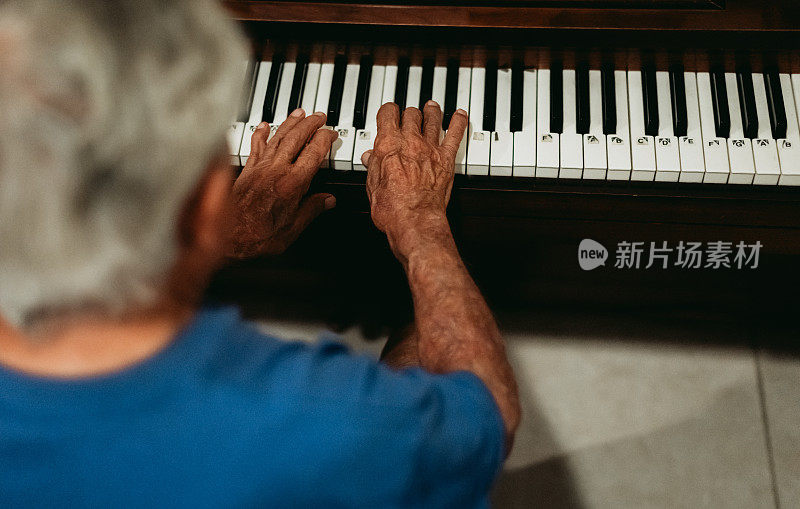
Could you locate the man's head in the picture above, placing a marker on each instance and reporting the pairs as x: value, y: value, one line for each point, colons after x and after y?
x: 110, y: 112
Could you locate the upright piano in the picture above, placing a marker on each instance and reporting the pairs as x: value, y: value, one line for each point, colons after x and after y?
x: 663, y: 122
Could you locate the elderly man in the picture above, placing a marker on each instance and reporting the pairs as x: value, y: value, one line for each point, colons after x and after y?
x: 117, y: 388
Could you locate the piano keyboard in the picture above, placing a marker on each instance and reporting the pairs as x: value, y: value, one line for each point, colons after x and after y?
x: 561, y: 121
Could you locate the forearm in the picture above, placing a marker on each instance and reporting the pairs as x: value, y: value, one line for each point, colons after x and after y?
x: 455, y: 329
x: 401, y: 350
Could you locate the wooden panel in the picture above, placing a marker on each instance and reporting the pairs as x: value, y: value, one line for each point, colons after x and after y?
x: 592, y: 4
x: 738, y: 15
x: 342, y: 269
x: 701, y: 205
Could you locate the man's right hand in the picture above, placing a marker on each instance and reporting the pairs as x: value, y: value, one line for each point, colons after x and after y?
x: 409, y: 182
x: 411, y: 173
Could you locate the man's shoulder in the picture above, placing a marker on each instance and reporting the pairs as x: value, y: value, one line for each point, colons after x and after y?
x: 236, y: 352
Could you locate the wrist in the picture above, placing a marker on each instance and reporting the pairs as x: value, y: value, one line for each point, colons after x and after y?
x: 420, y: 233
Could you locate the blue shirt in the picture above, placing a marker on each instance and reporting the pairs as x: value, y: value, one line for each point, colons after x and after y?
x: 227, y: 417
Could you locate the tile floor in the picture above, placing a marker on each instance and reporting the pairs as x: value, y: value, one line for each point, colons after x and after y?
x: 646, y: 412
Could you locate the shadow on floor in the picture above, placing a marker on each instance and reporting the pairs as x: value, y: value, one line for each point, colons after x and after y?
x: 716, y: 458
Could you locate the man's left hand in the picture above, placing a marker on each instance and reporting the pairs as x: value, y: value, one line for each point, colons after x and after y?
x: 270, y: 207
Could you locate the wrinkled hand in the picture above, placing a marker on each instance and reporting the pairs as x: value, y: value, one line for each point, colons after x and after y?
x: 410, y: 172
x: 269, y: 204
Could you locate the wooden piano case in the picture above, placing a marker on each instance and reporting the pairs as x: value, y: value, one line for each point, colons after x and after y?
x: 520, y: 239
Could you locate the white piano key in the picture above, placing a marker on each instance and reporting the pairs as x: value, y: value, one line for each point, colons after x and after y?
x: 236, y: 130
x: 414, y: 86
x: 365, y: 138
x: 284, y: 93
x: 389, y: 84
x: 235, y: 135
x: 259, y: 95
x: 256, y: 109
x: 439, y: 84
x: 324, y: 97
x: 462, y: 102
x: 282, y: 104
x: 525, y: 140
x: 348, y: 108
x: 343, y: 147
x: 502, y: 150
x: 668, y: 160
x: 619, y: 144
x: 308, y: 102
x: 547, y: 143
x: 503, y: 106
x: 502, y: 154
x: 571, y: 142
x: 789, y: 148
x: 595, y: 159
x: 740, y: 149
x: 479, y: 142
x: 643, y: 152
x: 765, y: 150
x: 715, y: 150
x: 691, y: 145
x: 376, y: 85
x: 324, y: 87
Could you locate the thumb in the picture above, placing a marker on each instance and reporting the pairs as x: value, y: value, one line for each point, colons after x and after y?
x: 311, y: 207
x: 365, y: 157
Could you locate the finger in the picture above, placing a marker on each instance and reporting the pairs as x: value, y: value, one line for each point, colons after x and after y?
x: 388, y: 117
x: 365, y: 158
x: 310, y: 159
x: 294, y: 140
x: 310, y: 208
x: 412, y: 121
x: 432, y: 125
x: 455, y: 132
x: 258, y: 141
x: 295, y: 118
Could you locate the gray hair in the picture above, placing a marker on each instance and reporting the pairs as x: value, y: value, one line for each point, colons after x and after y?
x: 110, y: 111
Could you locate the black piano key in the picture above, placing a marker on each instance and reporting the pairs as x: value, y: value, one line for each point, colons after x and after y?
x: 719, y: 100
x: 362, y: 92
x: 677, y: 89
x: 490, y: 96
x: 650, y: 99
x: 609, y: 93
x: 747, y: 103
x: 556, y: 98
x: 271, y: 97
x: 582, y: 118
x: 337, y: 89
x: 298, y: 83
x: 450, y: 92
x: 401, y: 85
x: 426, y: 89
x: 777, y: 110
x: 517, y: 84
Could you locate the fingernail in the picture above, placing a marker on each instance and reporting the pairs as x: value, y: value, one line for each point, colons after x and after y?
x: 330, y: 202
x: 319, y: 114
x: 432, y: 103
x: 298, y: 112
x: 262, y: 125
x: 461, y: 111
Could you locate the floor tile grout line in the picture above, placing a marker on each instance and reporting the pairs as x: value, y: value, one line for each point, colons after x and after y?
x: 762, y: 398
